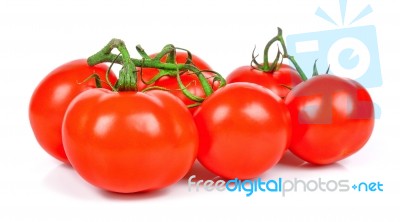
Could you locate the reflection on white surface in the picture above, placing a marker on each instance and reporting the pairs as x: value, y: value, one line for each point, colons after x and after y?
x: 64, y: 180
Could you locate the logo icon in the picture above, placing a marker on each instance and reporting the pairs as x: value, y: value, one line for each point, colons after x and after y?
x: 349, y: 52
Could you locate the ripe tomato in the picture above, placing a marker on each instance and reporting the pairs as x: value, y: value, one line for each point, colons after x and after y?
x: 51, y: 98
x: 244, y: 130
x: 129, y: 141
x: 190, y: 80
x: 332, y: 118
x: 275, y: 81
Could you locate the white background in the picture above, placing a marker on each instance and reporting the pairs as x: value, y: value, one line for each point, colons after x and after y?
x: 39, y: 35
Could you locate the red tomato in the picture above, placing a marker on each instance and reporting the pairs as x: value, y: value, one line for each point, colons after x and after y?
x: 275, y: 81
x: 129, y: 141
x: 244, y: 130
x: 190, y: 80
x: 332, y: 118
x: 51, y: 98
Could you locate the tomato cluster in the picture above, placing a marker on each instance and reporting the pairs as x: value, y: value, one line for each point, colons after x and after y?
x: 144, y: 130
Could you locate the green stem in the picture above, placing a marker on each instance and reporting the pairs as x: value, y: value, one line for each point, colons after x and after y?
x: 141, y: 52
x: 127, y: 82
x: 315, y: 70
x: 127, y: 76
x: 279, y: 38
x: 266, y: 50
x: 186, y: 92
x: 299, y: 70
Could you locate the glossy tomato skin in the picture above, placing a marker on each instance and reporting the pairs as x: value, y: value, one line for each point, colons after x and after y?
x: 129, y: 142
x: 275, y: 81
x: 244, y: 130
x: 190, y: 80
x: 332, y: 118
x: 51, y: 98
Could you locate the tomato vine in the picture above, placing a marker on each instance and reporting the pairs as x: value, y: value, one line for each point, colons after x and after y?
x: 128, y: 77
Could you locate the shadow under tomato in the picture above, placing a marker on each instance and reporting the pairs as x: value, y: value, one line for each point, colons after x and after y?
x: 289, y: 159
x: 292, y: 161
x: 133, y: 196
x: 63, y: 179
x: 200, y: 172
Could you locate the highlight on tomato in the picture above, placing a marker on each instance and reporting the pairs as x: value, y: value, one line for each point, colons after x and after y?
x: 52, y: 96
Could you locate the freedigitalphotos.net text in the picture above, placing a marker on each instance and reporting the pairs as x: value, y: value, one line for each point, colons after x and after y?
x: 282, y: 186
